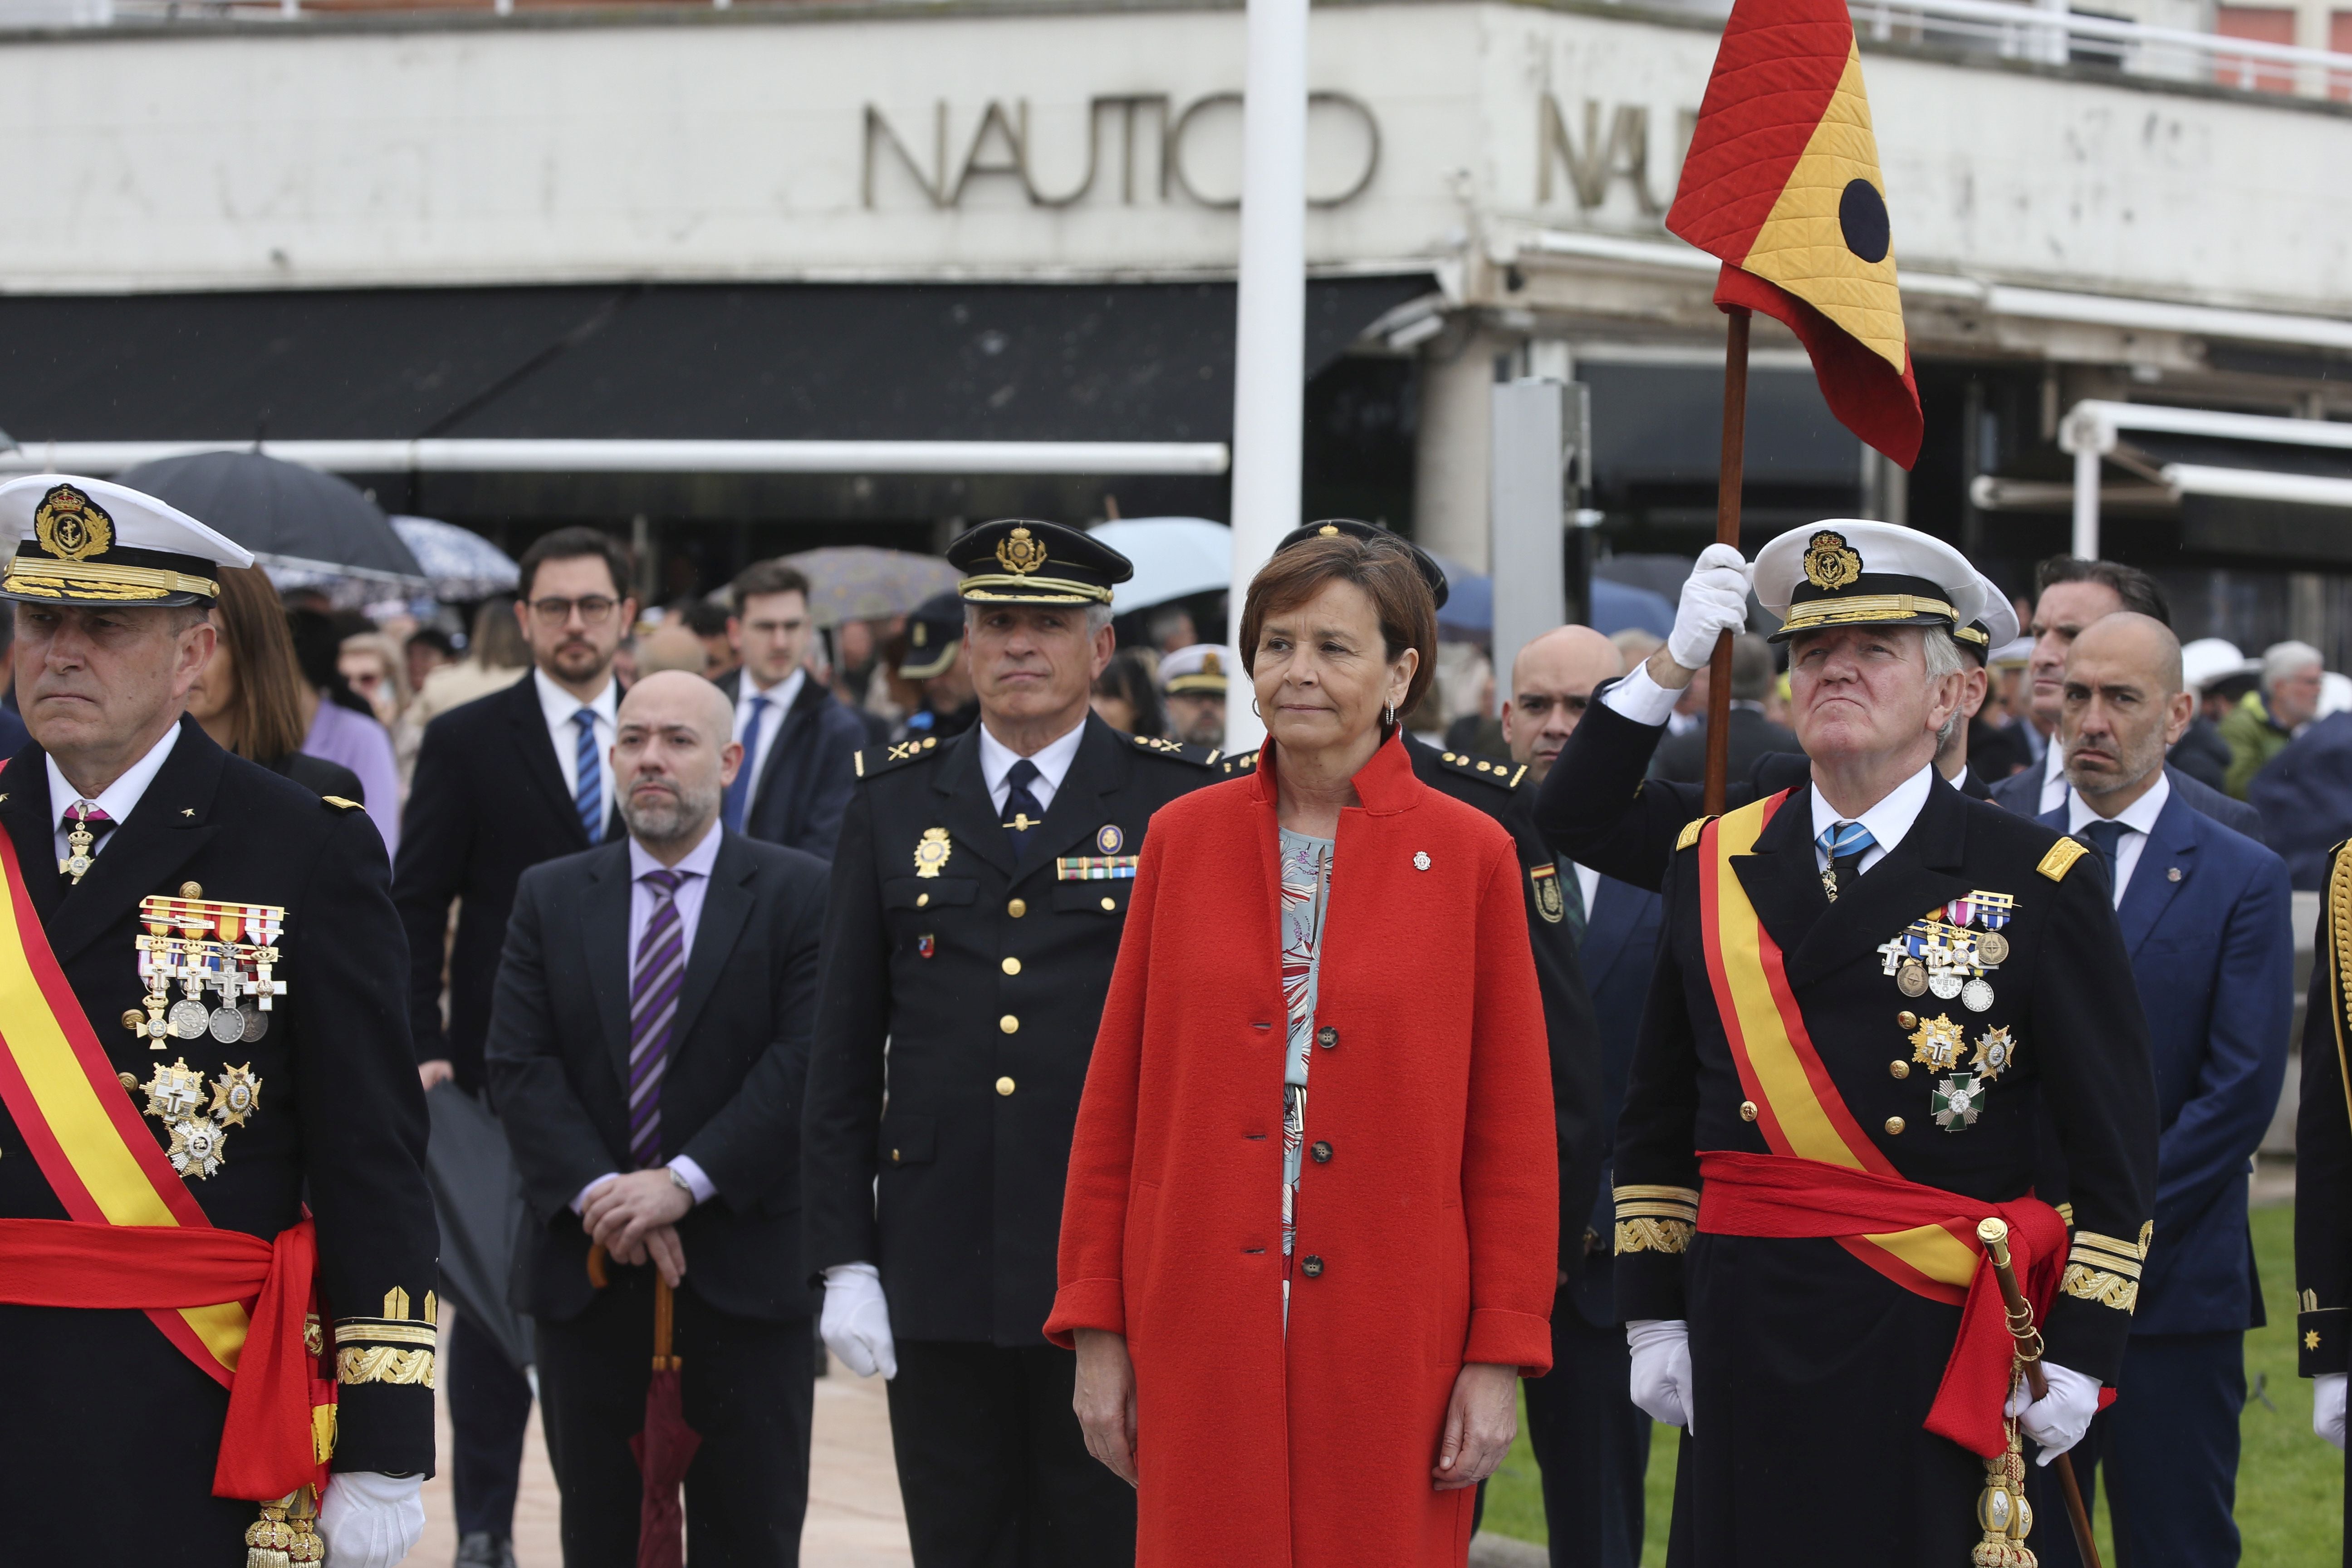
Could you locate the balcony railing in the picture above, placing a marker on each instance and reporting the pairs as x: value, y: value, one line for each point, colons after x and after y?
x: 2057, y: 36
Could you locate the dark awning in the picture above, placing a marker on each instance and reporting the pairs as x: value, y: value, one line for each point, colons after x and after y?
x: 780, y: 361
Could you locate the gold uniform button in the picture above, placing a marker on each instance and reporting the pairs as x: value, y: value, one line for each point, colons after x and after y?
x: 132, y: 1018
x: 1747, y: 1110
x: 1894, y: 1124
x: 192, y: 889
x: 1017, y: 908
x: 1009, y: 1024
x: 1109, y: 904
x: 1004, y: 1086
x: 1012, y: 966
x: 1907, y: 1020
x: 1899, y: 1069
x: 921, y: 899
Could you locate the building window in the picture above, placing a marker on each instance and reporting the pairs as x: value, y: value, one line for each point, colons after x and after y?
x: 2262, y: 24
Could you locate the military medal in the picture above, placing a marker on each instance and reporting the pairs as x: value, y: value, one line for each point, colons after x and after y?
x: 933, y: 851
x: 1937, y: 1044
x: 1107, y: 838
x: 1995, y: 1051
x: 1911, y: 979
x: 1945, y: 984
x: 1976, y: 995
x: 1956, y: 1101
x: 1994, y: 947
x: 236, y: 1094
x: 79, y: 860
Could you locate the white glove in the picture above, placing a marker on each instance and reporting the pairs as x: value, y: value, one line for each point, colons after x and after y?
x: 2327, y: 1407
x: 856, y: 1322
x: 1715, y: 601
x: 370, y: 1521
x: 1662, y: 1369
x: 2058, y: 1419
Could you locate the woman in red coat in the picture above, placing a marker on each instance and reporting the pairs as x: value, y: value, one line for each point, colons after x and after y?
x: 1299, y: 1317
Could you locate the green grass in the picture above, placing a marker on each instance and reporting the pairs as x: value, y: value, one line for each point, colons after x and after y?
x: 2290, y: 1484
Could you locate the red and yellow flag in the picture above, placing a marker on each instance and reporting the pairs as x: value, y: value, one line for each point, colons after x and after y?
x: 1782, y: 185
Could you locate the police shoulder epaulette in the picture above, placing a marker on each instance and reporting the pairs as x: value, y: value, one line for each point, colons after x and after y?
x: 340, y: 803
x: 1497, y: 770
x: 1161, y: 746
x: 875, y: 760
x: 2062, y: 857
x: 1246, y: 763
x: 1691, y: 830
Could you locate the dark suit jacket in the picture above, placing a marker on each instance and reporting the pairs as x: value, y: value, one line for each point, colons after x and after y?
x: 2022, y: 793
x: 2304, y: 796
x: 731, y: 1096
x: 1683, y: 757
x: 1621, y: 950
x: 798, y: 798
x: 2205, y: 920
x: 488, y: 803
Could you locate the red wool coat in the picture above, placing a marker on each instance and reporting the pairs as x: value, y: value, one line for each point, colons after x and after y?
x: 1435, y: 1215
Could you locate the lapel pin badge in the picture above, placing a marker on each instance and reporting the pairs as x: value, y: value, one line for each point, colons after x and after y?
x: 1421, y: 859
x: 2171, y: 876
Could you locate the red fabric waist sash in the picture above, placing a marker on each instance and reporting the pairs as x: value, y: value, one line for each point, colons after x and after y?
x: 267, y: 1445
x: 1782, y: 1195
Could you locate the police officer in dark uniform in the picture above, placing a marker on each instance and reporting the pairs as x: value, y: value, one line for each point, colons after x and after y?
x: 1491, y: 784
x: 1869, y: 991
x: 2323, y: 1170
x: 229, y: 1044
x: 978, y: 894
x: 934, y: 645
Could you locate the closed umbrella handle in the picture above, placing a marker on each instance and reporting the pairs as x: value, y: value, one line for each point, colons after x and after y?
x: 597, y: 1255
x: 663, y: 1360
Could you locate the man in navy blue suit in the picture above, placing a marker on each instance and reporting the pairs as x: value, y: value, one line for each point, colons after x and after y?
x: 2204, y: 916
x: 1591, y: 1442
x: 2074, y: 593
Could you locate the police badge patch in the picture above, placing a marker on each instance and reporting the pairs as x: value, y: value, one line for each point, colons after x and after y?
x: 1545, y: 879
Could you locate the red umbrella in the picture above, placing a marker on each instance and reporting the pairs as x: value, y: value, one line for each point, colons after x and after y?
x: 666, y: 1446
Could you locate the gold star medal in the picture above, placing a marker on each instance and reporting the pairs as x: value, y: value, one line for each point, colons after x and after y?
x: 236, y: 1094
x: 1936, y: 1043
x: 932, y: 852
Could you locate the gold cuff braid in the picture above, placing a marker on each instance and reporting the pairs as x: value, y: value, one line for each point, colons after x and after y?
x: 383, y: 1364
x: 1647, y: 1235
x: 2098, y: 1285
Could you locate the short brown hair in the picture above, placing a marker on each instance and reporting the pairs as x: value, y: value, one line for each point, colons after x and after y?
x: 266, y: 714
x: 570, y: 544
x: 1382, y: 566
x: 768, y: 577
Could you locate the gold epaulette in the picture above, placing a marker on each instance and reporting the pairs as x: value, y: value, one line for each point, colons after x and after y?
x: 1161, y: 746
x: 1245, y: 763
x: 2062, y: 857
x: 1652, y: 1218
x: 340, y: 803
x: 1497, y: 770
x: 2105, y: 1269
x: 1691, y: 830
x: 875, y: 760
x: 395, y: 1348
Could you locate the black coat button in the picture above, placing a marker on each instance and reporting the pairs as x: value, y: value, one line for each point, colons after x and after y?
x: 1311, y: 1266
x: 1322, y: 1153
x: 1326, y: 1036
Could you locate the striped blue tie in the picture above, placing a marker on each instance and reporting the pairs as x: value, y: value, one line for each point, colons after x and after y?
x: 1844, y: 843
x: 589, y: 795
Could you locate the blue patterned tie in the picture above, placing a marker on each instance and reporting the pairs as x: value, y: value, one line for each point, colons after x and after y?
x: 1023, y: 814
x: 588, y: 795
x: 660, y: 971
x: 1844, y: 843
x: 739, y: 793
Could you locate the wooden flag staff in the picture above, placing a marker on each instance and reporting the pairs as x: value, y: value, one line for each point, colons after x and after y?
x: 1726, y: 531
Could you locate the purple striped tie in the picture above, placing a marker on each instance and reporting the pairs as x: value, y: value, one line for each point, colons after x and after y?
x: 652, y: 1008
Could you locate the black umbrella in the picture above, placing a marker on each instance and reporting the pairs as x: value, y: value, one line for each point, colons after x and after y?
x: 299, y: 522
x: 476, y: 1198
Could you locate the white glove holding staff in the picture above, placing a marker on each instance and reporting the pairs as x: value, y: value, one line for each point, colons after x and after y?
x: 370, y: 1521
x: 2058, y: 1418
x: 1715, y: 601
x: 1662, y: 1369
x: 856, y: 1322
x: 2327, y: 1407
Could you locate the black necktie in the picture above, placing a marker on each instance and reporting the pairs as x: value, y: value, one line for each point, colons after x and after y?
x: 2105, y: 836
x: 1023, y: 814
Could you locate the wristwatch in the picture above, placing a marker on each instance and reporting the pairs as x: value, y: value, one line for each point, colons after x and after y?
x: 680, y: 1182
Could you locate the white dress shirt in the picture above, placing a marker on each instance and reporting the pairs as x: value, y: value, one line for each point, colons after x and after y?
x: 559, y: 705
x: 118, y: 800
x: 2138, y: 819
x: 781, y: 697
x: 1640, y: 698
x: 1052, y: 760
x: 1889, y: 821
x: 2054, y: 787
x: 1587, y: 885
x: 696, y: 868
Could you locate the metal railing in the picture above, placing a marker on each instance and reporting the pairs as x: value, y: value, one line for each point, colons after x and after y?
x: 2056, y: 36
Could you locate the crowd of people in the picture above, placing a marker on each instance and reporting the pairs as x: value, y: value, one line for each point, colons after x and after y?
x: 942, y: 996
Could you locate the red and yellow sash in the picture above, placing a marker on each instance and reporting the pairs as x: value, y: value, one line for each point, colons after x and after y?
x: 127, y: 1244
x: 1846, y: 1184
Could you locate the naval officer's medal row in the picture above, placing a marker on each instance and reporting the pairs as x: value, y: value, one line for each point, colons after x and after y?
x: 1945, y: 955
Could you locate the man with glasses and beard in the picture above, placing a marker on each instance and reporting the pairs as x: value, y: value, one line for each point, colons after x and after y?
x: 517, y: 777
x: 687, y: 957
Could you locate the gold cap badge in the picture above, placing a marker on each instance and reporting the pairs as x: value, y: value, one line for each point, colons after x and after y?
x: 1019, y: 554
x: 70, y: 526
x: 1831, y: 563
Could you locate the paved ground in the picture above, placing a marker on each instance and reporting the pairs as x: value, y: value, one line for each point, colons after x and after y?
x: 853, y: 1518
